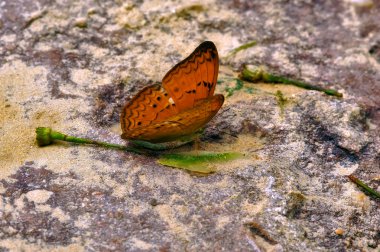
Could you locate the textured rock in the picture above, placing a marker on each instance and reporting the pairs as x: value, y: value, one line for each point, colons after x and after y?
x: 71, y: 65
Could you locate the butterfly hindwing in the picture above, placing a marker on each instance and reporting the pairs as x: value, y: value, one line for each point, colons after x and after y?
x: 150, y: 105
x: 181, y: 124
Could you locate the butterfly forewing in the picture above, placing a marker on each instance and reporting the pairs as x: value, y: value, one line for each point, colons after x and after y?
x: 194, y: 78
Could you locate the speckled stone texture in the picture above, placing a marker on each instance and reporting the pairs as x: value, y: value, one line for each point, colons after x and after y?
x: 71, y: 65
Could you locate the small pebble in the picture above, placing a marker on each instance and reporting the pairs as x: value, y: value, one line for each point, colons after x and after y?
x: 339, y: 231
x: 81, y: 23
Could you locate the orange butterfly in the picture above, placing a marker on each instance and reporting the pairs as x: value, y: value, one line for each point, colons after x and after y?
x: 181, y: 105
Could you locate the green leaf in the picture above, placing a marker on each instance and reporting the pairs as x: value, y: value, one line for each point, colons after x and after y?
x: 200, y: 162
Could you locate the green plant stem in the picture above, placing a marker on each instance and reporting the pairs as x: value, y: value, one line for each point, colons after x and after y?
x: 260, y: 74
x: 241, y: 48
x: 46, y: 136
x: 230, y: 91
x: 200, y: 162
x: 364, y: 186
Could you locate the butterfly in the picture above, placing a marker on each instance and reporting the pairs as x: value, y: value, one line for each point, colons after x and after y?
x: 181, y: 105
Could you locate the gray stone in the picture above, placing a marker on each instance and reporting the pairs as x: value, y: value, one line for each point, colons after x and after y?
x: 72, y: 65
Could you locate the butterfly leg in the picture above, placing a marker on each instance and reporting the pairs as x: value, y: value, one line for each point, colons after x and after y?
x: 197, y: 143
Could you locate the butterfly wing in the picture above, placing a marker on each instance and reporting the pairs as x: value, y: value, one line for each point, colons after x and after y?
x: 150, y: 105
x: 194, y: 78
x: 182, y: 124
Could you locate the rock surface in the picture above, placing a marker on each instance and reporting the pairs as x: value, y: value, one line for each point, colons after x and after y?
x: 71, y: 65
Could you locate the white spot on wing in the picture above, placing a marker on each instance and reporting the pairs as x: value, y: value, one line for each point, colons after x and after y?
x: 171, y: 101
